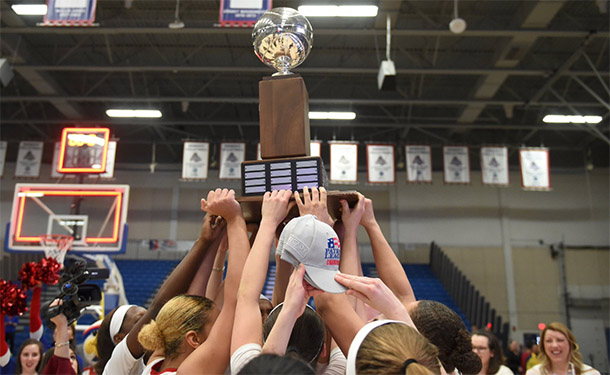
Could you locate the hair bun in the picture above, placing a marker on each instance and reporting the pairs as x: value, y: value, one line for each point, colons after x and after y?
x: 151, y: 337
x: 465, y: 360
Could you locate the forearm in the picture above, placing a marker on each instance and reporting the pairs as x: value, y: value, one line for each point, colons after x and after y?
x: 255, y: 269
x: 339, y: 317
x: 216, y: 276
x: 390, y: 270
x: 240, y: 246
x: 62, y: 343
x: 279, y: 336
x: 350, y: 257
x: 199, y: 284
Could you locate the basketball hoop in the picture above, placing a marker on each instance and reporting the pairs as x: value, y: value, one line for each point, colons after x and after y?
x: 56, y: 245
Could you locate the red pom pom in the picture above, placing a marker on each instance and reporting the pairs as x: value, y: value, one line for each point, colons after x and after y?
x: 48, y: 271
x: 28, y: 275
x: 12, y: 299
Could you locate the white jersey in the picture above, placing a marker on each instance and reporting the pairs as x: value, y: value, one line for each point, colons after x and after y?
x: 123, y: 362
x: 153, y: 368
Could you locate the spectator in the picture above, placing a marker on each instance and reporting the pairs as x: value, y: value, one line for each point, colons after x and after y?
x: 29, y: 357
x: 533, y: 358
x: 488, y: 348
x: 559, y: 353
x: 513, y: 357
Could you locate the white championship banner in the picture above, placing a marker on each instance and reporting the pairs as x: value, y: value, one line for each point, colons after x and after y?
x: 343, y: 163
x: 3, y: 145
x: 535, y: 169
x: 380, y: 164
x: 54, y: 172
x: 29, y: 159
x: 110, y: 160
x: 418, y: 160
x: 494, y: 166
x: 231, y: 157
x: 315, y: 148
x: 456, y: 165
x: 195, y: 158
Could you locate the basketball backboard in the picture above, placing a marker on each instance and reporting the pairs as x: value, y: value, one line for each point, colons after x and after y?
x: 95, y: 215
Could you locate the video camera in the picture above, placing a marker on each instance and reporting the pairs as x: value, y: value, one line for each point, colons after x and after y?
x: 74, y: 293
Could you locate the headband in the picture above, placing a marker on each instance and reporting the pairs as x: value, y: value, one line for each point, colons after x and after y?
x: 350, y: 368
x: 117, y: 320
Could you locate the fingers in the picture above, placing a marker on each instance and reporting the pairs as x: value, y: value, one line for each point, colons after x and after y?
x: 344, y: 206
x: 315, y: 195
x: 299, y: 202
x: 323, y: 194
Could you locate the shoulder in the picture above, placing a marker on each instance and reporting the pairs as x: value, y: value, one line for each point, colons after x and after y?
x: 586, y: 369
x: 243, y: 355
x: 503, y: 370
x: 536, y: 370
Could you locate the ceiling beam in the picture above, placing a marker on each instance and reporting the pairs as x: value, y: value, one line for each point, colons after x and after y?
x: 322, y: 124
x: 302, y: 70
x: 319, y: 32
x: 255, y: 100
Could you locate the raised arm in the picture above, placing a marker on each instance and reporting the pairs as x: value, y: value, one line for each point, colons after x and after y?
x: 218, y: 268
x: 248, y: 326
x: 179, y: 280
x: 388, y: 266
x: 213, y: 354
x: 297, y: 295
x: 202, y: 278
x: 350, y: 257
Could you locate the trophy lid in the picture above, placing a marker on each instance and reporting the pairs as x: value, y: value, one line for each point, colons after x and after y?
x: 282, y: 39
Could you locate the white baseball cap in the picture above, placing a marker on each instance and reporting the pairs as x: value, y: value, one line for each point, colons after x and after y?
x: 309, y: 241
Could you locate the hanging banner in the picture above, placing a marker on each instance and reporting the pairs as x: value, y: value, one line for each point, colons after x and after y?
x: 380, y: 164
x: 110, y: 159
x: 231, y: 157
x: 315, y: 148
x: 456, y: 165
x: 3, y: 145
x: 195, y: 160
x: 70, y: 13
x: 343, y: 163
x: 54, y: 172
x: 535, y: 169
x: 29, y: 159
x: 243, y: 13
x: 494, y: 166
x: 418, y: 161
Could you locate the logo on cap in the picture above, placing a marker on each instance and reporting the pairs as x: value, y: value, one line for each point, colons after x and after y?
x: 332, y: 253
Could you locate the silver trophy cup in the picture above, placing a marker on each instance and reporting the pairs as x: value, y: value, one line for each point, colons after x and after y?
x: 282, y: 39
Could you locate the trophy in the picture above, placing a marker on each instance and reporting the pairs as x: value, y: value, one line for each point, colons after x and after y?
x: 282, y: 39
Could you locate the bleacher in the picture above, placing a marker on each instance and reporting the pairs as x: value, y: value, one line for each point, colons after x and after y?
x: 142, y: 278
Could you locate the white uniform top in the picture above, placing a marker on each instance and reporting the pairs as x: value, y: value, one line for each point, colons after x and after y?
x: 247, y: 352
x: 503, y: 370
x: 152, y: 368
x: 123, y: 362
x: 539, y: 370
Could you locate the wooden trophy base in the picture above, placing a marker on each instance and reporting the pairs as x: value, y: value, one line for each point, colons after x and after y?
x: 284, y: 117
x: 251, y: 206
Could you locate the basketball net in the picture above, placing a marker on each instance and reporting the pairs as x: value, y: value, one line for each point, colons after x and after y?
x: 56, y: 246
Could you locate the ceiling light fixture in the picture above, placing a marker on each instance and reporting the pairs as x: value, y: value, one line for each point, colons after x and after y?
x: 332, y: 115
x: 457, y: 24
x: 338, y: 11
x: 131, y: 113
x: 177, y: 23
x: 574, y: 119
x: 30, y: 9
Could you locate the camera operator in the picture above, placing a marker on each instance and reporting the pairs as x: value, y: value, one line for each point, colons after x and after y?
x: 63, y: 361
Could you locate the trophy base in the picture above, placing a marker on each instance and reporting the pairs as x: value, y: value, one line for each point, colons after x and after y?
x: 284, y: 117
x: 292, y: 174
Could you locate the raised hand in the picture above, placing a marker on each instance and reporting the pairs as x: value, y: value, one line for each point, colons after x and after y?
x: 352, y: 217
x: 299, y: 291
x: 314, y: 204
x: 376, y: 294
x: 368, y: 217
x: 222, y: 202
x: 276, y: 206
x: 212, y: 227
